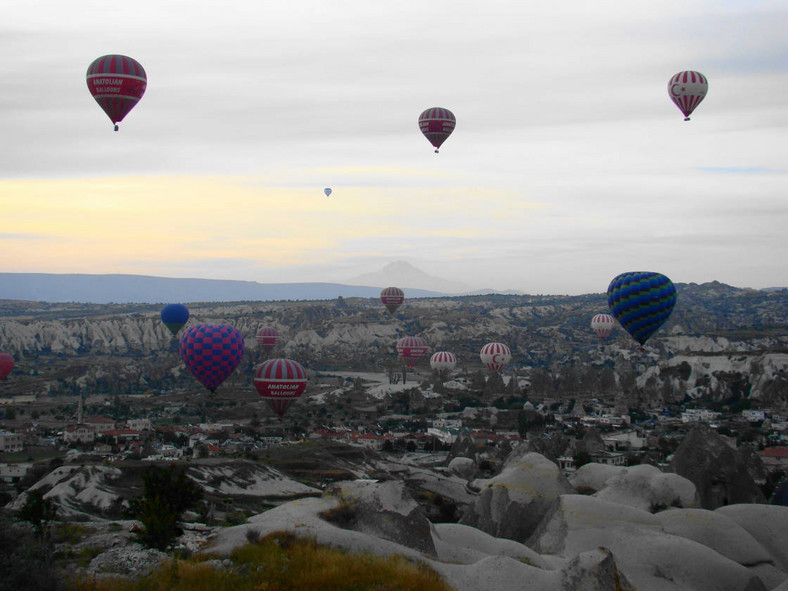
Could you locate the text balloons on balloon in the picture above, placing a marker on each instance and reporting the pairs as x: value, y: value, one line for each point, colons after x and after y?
x: 392, y: 298
x: 211, y: 352
x: 641, y: 301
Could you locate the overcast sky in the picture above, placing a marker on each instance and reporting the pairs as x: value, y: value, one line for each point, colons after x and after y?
x: 569, y: 163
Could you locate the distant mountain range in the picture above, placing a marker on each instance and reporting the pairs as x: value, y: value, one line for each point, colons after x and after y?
x: 120, y: 289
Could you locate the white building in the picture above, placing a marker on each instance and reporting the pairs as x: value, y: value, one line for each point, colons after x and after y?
x: 11, y: 441
x: 753, y: 415
x: 139, y: 424
x: 694, y: 415
x: 79, y: 434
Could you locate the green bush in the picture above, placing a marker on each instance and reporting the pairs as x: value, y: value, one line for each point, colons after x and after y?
x: 24, y: 561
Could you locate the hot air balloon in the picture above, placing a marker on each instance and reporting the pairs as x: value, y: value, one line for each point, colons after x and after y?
x: 211, y: 352
x: 602, y: 325
x: 327, y: 191
x: 437, y: 124
x: 392, y: 298
x: 641, y: 302
x: 279, y: 382
x: 443, y: 361
x: 174, y: 317
x: 267, y: 338
x: 6, y: 365
x: 411, y: 349
x: 686, y: 90
x: 495, y: 356
x: 117, y: 82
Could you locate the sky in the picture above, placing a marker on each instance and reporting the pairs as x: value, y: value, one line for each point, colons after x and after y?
x: 569, y: 164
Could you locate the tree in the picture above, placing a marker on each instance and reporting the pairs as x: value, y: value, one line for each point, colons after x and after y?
x: 25, y: 563
x: 38, y: 511
x: 167, y: 493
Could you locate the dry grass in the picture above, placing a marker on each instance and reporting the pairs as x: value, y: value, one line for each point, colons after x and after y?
x: 282, y: 562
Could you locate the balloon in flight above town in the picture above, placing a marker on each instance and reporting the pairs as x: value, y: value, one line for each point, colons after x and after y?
x: 174, y: 317
x: 411, y: 349
x: 602, y: 325
x: 392, y: 298
x: 641, y: 301
x: 279, y: 382
x: 117, y: 82
x: 327, y: 191
x: 437, y: 124
x: 267, y: 338
x: 443, y: 361
x: 211, y: 352
x: 495, y: 356
x: 687, y: 90
x: 6, y: 365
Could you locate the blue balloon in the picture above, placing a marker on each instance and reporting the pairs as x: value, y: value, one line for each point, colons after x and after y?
x: 327, y: 191
x: 641, y: 302
x: 174, y: 317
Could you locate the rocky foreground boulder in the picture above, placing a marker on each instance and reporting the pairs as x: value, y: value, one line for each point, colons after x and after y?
x: 512, y: 504
x: 582, y: 542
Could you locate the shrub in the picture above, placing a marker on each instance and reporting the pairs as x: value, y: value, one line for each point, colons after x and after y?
x: 24, y: 561
x: 283, y: 562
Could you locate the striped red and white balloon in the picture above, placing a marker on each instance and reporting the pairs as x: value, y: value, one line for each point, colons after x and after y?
x: 687, y: 90
x: 267, y: 338
x: 117, y: 82
x: 495, y: 356
x: 411, y: 349
x: 279, y: 382
x: 443, y: 361
x: 392, y: 298
x: 437, y: 124
x: 602, y: 325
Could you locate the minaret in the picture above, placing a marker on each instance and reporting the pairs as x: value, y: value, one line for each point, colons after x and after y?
x: 79, y: 409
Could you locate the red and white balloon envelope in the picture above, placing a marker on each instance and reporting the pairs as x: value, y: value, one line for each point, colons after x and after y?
x: 437, y: 124
x: 211, y: 352
x: 495, y: 356
x: 392, y: 298
x: 687, y: 90
x: 602, y: 325
x: 279, y: 382
x: 411, y: 349
x: 443, y: 361
x: 267, y: 338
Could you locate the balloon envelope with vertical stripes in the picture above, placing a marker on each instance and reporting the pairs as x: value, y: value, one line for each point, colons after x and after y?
x: 117, y: 82
x: 495, y: 356
x: 641, y: 301
x: 411, y: 349
x: 211, y: 352
x: 267, y: 338
x: 437, y: 124
x: 279, y: 382
x: 443, y: 361
x: 602, y: 325
x: 687, y: 90
x: 392, y: 298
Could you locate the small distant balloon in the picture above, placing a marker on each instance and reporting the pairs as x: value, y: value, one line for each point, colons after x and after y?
x: 117, y: 82
x: 6, y: 365
x: 211, y: 352
x: 602, y: 325
x: 267, y: 338
x: 392, y: 298
x: 641, y: 301
x: 411, y: 349
x: 443, y: 361
x: 279, y: 382
x: 437, y: 124
x: 687, y: 90
x: 495, y: 356
x: 327, y: 191
x: 174, y: 317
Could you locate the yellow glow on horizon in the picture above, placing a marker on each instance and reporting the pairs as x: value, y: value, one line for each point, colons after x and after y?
x: 134, y: 224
